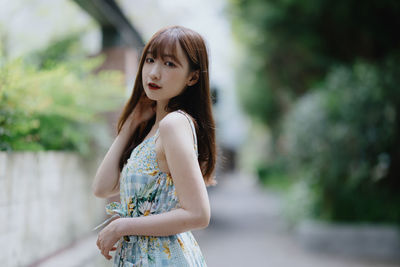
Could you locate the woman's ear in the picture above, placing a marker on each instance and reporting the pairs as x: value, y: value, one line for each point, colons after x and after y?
x: 193, y: 78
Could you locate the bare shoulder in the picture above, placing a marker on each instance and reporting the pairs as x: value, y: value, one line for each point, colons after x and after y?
x: 174, y: 120
x: 175, y: 128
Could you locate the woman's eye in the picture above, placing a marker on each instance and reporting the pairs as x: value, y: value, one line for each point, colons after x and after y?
x: 149, y: 60
x: 169, y: 64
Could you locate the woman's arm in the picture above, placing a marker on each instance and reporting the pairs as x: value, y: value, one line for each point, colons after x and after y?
x: 177, y: 140
x: 106, y: 181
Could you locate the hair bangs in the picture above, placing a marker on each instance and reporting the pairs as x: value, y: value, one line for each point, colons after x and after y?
x: 164, y: 45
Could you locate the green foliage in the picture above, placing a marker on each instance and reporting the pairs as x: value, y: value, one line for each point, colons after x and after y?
x: 50, y: 103
x: 298, y: 202
x: 62, y: 50
x: 290, y: 45
x: 340, y: 139
x: 340, y: 124
x: 274, y: 175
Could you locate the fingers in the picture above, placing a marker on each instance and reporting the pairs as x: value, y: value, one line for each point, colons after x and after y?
x: 107, y: 256
x: 105, y: 252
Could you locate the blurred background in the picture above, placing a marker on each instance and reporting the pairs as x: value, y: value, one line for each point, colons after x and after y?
x: 306, y: 100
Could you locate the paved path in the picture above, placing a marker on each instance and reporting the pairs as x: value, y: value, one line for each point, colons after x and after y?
x: 246, y: 229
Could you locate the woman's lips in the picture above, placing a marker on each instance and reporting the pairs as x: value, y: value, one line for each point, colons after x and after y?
x: 154, y: 86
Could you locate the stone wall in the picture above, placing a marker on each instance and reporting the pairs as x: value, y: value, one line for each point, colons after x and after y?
x: 46, y: 203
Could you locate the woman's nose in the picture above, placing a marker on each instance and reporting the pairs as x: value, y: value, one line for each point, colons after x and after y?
x: 155, y: 71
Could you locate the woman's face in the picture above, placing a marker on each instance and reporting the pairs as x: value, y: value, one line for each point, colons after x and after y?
x: 165, y: 77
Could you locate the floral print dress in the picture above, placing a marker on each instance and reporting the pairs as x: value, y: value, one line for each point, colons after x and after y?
x: 146, y: 190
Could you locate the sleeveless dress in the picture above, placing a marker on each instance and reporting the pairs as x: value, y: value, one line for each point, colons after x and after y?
x: 146, y: 190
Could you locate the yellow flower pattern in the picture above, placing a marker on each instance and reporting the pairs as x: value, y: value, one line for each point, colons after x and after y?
x: 169, y: 180
x: 166, y: 249
x: 181, y: 244
x: 131, y: 206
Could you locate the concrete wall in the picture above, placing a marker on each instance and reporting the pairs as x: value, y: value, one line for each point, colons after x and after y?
x: 46, y: 203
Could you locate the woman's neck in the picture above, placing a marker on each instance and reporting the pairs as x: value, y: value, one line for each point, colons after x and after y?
x: 160, y: 112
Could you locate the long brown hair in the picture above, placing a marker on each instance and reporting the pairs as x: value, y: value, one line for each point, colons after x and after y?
x: 194, y: 100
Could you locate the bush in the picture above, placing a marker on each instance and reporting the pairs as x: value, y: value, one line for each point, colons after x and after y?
x: 290, y: 45
x: 274, y: 175
x: 54, y: 107
x: 342, y: 140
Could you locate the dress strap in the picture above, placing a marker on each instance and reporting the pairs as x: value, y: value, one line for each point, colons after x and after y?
x: 193, y: 130
x: 157, y: 133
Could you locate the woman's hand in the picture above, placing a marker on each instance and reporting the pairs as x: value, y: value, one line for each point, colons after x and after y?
x: 107, y: 239
x: 144, y: 110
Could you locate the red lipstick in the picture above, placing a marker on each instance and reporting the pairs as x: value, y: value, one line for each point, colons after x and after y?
x: 153, y: 86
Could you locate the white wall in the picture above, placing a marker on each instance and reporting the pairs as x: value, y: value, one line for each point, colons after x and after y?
x: 45, y: 203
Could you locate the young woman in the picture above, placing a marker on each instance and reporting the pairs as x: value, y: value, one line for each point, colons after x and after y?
x: 163, y: 157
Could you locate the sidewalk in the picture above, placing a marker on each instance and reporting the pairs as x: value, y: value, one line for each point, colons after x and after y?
x: 246, y: 229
